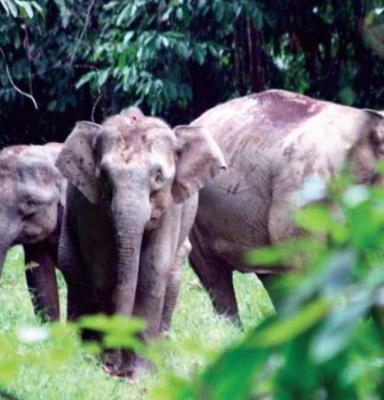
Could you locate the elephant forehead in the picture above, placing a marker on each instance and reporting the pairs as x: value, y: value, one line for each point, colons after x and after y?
x: 37, y: 170
x: 8, y: 165
x: 127, y: 139
x: 7, y: 184
x: 138, y: 143
x: 9, y: 159
x: 13, y: 151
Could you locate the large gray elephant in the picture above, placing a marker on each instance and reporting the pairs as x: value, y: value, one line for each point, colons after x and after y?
x: 31, y: 203
x: 132, y: 198
x: 271, y: 142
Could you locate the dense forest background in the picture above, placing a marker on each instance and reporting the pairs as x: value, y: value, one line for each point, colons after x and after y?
x: 88, y: 59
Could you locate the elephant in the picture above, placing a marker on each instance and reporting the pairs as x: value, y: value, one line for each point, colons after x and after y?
x: 31, y: 204
x: 272, y: 142
x: 132, y: 196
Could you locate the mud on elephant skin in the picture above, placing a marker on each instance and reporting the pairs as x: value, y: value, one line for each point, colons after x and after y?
x: 31, y: 202
x: 131, y: 201
x: 272, y: 141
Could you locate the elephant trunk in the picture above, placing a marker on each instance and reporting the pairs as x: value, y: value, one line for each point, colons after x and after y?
x: 129, y: 216
x: 8, y: 234
x: 3, y: 252
x: 4, y: 246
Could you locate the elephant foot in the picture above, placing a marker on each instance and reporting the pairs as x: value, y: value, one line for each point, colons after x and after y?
x: 119, y: 372
x: 134, y: 368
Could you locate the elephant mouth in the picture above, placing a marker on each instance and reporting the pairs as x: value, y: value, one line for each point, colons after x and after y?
x: 155, y: 220
x: 153, y: 223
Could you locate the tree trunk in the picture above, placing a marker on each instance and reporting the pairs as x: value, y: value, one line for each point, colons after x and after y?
x: 256, y: 67
x: 238, y: 44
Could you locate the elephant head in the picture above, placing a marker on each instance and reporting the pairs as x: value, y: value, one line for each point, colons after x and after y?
x: 137, y: 167
x: 31, y: 188
x: 368, y: 149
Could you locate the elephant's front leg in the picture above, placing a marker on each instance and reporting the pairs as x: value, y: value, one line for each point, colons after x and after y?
x: 72, y: 269
x: 156, y: 261
x: 159, y: 251
x: 173, y: 285
x: 41, y: 280
x: 149, y: 301
x: 154, y: 273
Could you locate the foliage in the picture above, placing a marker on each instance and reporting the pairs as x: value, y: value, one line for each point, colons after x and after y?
x: 87, y: 60
x: 188, y: 346
x: 25, y: 9
x: 327, y: 339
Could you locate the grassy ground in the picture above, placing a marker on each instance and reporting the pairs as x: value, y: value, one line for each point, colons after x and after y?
x: 197, y: 334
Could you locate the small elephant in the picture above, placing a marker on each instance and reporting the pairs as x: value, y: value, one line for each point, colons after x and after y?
x: 31, y: 203
x: 272, y: 141
x: 132, y: 199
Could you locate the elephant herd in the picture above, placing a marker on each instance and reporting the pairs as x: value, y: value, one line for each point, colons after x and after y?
x: 120, y: 206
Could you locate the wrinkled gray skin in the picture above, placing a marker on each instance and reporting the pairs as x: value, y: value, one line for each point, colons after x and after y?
x: 271, y: 141
x: 31, y: 202
x: 132, y: 199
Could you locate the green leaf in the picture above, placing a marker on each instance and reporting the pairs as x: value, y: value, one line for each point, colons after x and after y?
x: 337, y: 330
x: 85, y: 78
x: 5, y: 6
x: 218, y: 9
x: 122, y: 61
x: 283, y: 330
x: 272, y: 255
x: 179, y: 13
x: 38, y: 8
x: 25, y: 8
x: 315, y: 218
x: 117, y: 323
x: 12, y: 9
x: 128, y: 37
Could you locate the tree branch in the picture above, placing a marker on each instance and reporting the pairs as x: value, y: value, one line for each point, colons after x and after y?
x: 91, y: 4
x: 25, y: 94
x: 96, y: 103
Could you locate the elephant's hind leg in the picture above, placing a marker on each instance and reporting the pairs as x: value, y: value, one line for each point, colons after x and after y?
x: 41, y: 281
x: 216, y: 277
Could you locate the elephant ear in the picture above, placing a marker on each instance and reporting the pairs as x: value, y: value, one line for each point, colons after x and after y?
x: 374, y: 113
x: 376, y: 131
x: 199, y: 160
x: 77, y: 160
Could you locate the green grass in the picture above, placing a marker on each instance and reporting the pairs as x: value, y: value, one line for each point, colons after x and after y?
x: 196, y: 336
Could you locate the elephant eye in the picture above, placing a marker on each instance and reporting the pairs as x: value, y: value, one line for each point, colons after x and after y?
x: 374, y: 138
x: 159, y: 176
x: 29, y: 207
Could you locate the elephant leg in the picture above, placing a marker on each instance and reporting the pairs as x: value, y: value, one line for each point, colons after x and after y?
x: 78, y: 292
x: 173, y: 286
x: 281, y: 225
x: 149, y: 302
x: 41, y: 281
x: 216, y: 277
x: 170, y: 299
